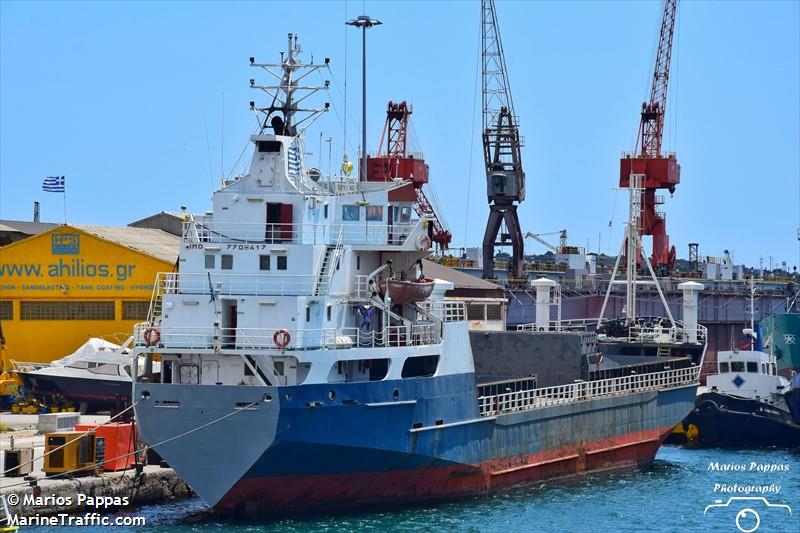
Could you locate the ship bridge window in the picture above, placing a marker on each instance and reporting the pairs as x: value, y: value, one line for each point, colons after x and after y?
x: 752, y: 367
x: 723, y: 368
x: 404, y: 214
x: 268, y: 146
x: 375, y: 213
x: 737, y: 366
x: 419, y: 367
x: 350, y: 213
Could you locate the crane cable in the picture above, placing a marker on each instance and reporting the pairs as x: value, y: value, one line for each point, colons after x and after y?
x: 471, y: 146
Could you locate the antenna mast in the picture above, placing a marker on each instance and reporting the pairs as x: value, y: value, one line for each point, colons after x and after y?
x: 288, y: 94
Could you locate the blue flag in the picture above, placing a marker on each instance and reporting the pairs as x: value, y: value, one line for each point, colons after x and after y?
x: 54, y: 184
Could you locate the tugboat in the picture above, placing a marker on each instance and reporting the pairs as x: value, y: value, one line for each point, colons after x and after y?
x: 289, y: 382
x: 746, y: 403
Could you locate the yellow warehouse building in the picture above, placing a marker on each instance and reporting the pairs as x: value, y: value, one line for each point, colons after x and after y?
x: 72, y: 282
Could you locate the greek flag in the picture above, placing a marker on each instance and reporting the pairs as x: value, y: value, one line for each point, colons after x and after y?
x: 294, y: 159
x: 54, y: 184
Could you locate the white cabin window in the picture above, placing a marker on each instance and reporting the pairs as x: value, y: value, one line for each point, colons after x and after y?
x: 325, y: 211
x: 358, y: 262
x: 308, y: 313
x: 328, y: 312
x: 737, y: 366
x: 282, y: 262
x: 210, y: 261
x: 263, y: 262
x: 375, y: 213
x: 227, y: 262
x: 350, y: 213
x: 723, y: 368
x: 752, y: 367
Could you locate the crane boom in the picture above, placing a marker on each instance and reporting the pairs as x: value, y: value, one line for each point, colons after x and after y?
x: 653, y: 112
x: 653, y: 169
x: 505, y: 178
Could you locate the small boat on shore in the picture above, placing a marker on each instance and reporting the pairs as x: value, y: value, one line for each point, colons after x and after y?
x: 96, y: 377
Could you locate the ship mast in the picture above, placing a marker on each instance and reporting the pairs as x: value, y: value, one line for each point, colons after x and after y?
x: 289, y: 93
x: 632, y: 250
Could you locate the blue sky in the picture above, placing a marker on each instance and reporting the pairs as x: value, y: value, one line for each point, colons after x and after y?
x: 116, y: 95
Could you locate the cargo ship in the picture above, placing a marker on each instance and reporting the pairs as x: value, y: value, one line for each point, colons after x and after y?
x: 301, y: 369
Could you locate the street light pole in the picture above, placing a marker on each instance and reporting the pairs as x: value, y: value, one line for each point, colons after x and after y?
x: 363, y: 22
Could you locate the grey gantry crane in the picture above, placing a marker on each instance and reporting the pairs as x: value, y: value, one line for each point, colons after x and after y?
x: 505, y: 179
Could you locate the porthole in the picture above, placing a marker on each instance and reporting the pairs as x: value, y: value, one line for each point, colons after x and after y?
x: 331, y: 394
x: 145, y: 394
x: 268, y: 397
x: 396, y: 393
x: 288, y: 396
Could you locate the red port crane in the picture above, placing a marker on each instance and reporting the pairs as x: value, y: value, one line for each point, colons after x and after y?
x: 660, y: 171
x: 397, y: 162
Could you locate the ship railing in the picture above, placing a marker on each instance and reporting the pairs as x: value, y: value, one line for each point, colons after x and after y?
x: 676, y: 333
x: 580, y: 325
x: 233, y: 236
x: 508, y: 386
x: 446, y: 311
x: 205, y: 338
x: 26, y: 366
x: 523, y: 400
x: 235, y: 284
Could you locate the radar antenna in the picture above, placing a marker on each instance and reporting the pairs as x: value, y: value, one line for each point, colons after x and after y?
x: 288, y: 94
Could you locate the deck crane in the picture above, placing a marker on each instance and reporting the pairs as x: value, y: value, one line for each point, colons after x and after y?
x: 505, y: 179
x: 394, y: 161
x: 654, y: 169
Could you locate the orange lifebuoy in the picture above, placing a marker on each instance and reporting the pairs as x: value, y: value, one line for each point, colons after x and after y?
x: 281, y: 338
x: 152, y: 336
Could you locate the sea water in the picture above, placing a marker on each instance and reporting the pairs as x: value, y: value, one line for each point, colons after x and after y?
x: 684, y: 490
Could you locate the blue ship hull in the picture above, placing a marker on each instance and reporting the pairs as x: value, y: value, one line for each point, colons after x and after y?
x: 337, y: 445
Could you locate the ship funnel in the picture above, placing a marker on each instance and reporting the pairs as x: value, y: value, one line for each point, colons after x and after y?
x: 691, y: 291
x: 543, y: 287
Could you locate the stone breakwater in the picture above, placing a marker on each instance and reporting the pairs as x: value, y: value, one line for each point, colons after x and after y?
x: 109, y: 492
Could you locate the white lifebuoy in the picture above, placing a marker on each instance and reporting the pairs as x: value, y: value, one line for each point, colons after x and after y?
x: 152, y: 336
x: 423, y: 242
